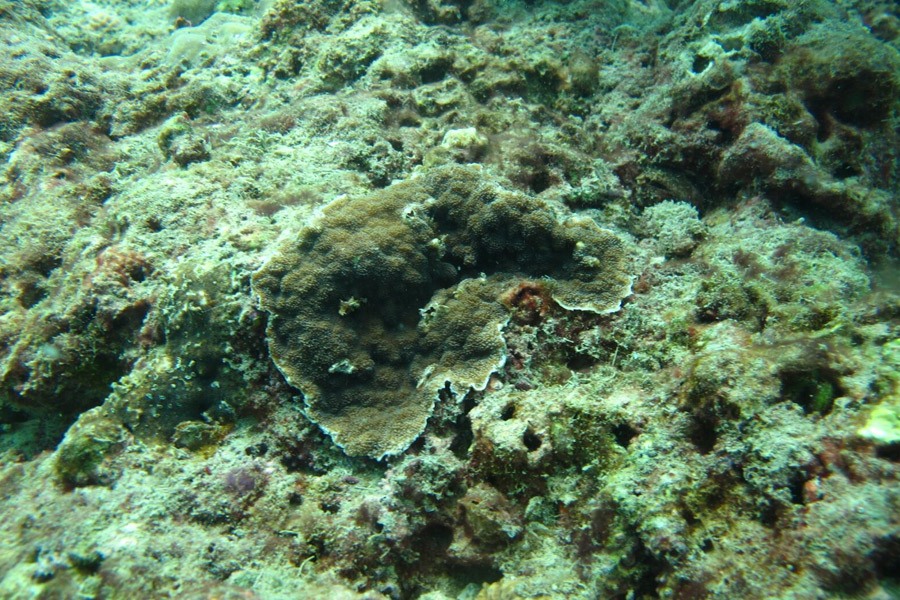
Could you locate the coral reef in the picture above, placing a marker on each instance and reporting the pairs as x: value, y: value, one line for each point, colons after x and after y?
x: 436, y: 299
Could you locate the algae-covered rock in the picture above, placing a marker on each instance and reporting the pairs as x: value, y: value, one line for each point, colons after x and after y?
x: 675, y: 227
x: 489, y: 515
x: 384, y: 300
x: 84, y: 456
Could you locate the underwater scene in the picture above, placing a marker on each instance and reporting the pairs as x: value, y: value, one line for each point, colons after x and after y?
x: 449, y: 299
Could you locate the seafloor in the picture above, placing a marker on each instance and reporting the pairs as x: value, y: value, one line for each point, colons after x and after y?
x: 449, y: 299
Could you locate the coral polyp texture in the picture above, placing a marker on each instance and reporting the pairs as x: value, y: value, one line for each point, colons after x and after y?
x: 449, y: 299
x: 384, y: 300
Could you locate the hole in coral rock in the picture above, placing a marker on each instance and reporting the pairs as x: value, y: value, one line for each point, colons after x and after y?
x: 31, y: 292
x: 45, y: 264
x: 886, y: 559
x: 859, y: 100
x: 890, y: 452
x: 464, y: 436
x: 700, y: 64
x: 824, y: 123
x: 796, y: 487
x: 435, y: 71
x: 531, y: 440
x: 623, y: 432
x: 648, y: 570
x: 814, y: 389
x: 257, y: 450
x: 539, y: 181
x: 703, y: 434
x: 581, y: 363
x: 508, y: 412
x: 768, y: 514
x: 477, y: 574
x: 689, y: 517
x: 434, y: 540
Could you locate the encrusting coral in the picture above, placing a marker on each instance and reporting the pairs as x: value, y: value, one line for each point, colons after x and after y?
x: 385, y: 300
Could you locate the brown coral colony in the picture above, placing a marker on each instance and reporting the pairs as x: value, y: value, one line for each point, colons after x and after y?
x: 369, y: 321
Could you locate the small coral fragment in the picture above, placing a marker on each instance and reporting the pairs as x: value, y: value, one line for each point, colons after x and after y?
x: 883, y: 426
